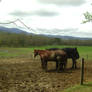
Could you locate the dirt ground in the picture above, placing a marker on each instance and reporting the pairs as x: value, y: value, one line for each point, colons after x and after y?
x: 26, y: 75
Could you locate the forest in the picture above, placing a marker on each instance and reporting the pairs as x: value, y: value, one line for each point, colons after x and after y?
x: 28, y: 40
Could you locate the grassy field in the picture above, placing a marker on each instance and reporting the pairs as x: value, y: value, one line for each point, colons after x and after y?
x: 84, y: 51
x: 20, y: 72
x: 80, y: 88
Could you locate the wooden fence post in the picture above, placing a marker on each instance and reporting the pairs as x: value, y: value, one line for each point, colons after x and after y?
x: 82, y: 71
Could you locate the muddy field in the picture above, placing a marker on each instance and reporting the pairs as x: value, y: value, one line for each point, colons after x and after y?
x: 26, y: 75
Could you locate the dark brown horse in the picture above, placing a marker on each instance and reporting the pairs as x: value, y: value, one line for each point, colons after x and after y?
x: 71, y: 53
x: 59, y: 56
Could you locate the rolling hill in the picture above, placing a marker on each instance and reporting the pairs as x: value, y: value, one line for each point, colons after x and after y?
x: 19, y: 31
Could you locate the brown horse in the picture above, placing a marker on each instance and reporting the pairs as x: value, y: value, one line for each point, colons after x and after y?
x: 72, y: 53
x: 59, y: 56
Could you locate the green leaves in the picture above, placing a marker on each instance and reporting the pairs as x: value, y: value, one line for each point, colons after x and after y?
x: 88, y: 17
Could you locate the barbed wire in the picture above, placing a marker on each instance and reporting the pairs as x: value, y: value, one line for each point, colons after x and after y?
x: 10, y: 22
x: 14, y: 22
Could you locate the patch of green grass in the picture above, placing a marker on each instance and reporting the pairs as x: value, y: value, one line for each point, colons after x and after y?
x: 80, y: 88
x: 84, y: 51
x: 14, y: 52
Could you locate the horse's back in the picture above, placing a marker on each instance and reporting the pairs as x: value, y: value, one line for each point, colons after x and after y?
x: 72, y: 52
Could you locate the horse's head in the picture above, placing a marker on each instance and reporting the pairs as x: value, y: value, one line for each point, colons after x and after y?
x: 36, y: 52
x: 76, y: 54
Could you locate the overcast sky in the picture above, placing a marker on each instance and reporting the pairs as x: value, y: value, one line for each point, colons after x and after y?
x: 56, y: 17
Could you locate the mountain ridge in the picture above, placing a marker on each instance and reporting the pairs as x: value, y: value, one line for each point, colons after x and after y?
x: 18, y: 31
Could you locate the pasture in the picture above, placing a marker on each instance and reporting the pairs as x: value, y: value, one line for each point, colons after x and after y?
x: 20, y: 72
x: 80, y: 88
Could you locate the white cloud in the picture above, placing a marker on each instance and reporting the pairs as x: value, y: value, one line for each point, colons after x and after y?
x: 49, y: 15
x: 63, y: 2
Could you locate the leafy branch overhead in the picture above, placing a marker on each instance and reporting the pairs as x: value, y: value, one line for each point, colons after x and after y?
x: 88, y: 17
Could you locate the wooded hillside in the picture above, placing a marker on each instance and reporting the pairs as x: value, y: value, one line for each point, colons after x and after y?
x: 27, y: 40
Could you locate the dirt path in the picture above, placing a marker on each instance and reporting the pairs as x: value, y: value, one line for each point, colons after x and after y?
x: 26, y: 75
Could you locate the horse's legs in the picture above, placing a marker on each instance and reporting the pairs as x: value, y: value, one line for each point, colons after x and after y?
x: 45, y: 65
x: 65, y: 63
x: 60, y: 65
x: 42, y: 63
x: 56, y: 64
x: 74, y: 63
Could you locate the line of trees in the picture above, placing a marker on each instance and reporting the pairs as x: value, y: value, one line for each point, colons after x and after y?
x: 26, y: 40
